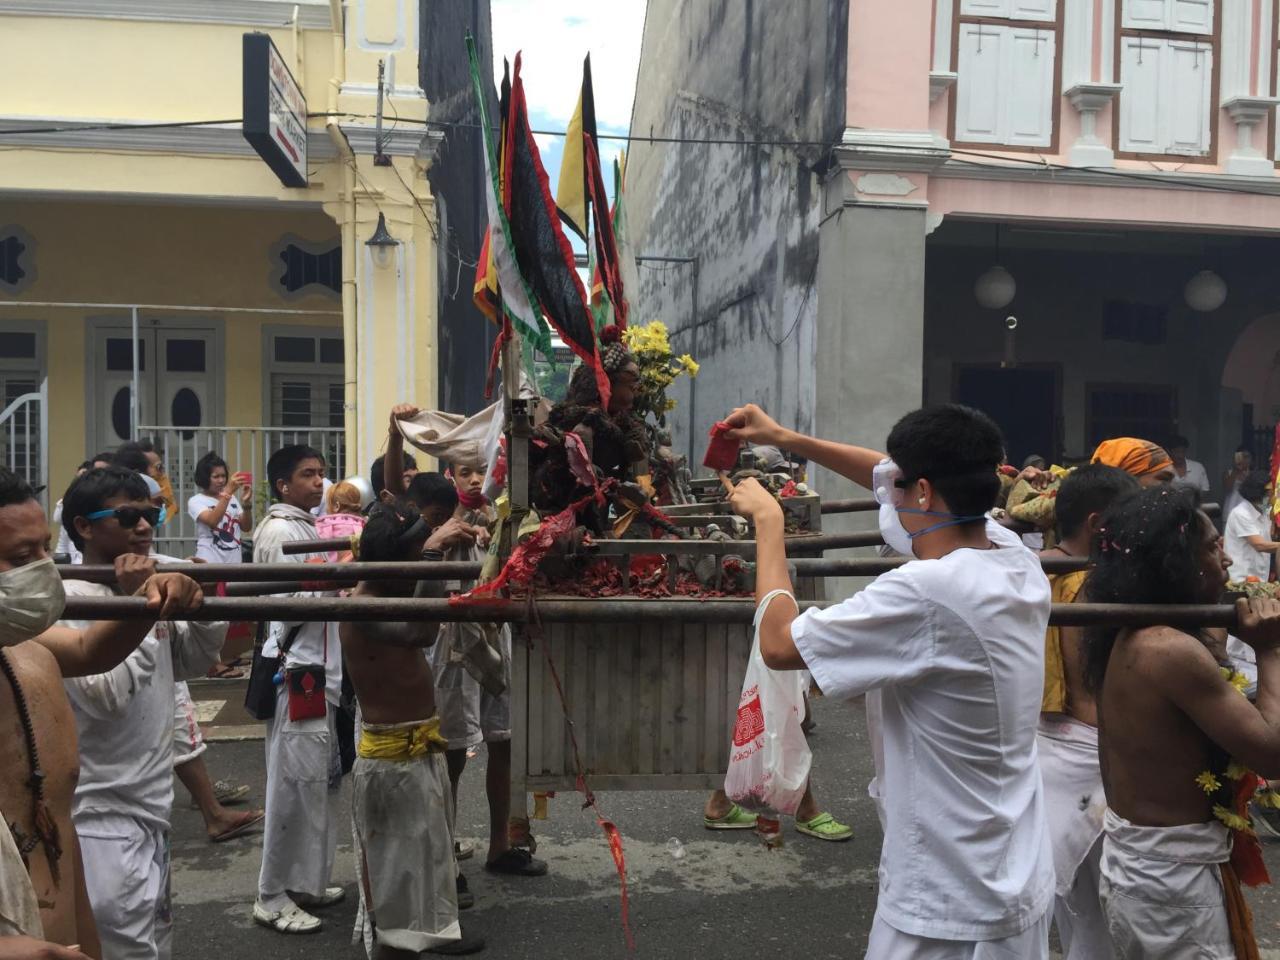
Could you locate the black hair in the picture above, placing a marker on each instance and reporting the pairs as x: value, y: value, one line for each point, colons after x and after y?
x: 1177, y: 441
x: 957, y: 449
x: 1086, y: 490
x: 88, y: 493
x: 1254, y: 485
x: 433, y: 490
x: 85, y: 465
x: 1244, y: 448
x: 14, y: 488
x: 377, y: 476
x: 106, y: 456
x: 133, y: 456
x: 284, y: 462
x: 1149, y: 549
x: 205, y: 467
x: 393, y: 532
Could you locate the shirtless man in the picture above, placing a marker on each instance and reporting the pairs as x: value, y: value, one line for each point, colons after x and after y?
x: 1169, y: 723
x: 31, y: 598
x: 401, y: 802
x: 1068, y: 736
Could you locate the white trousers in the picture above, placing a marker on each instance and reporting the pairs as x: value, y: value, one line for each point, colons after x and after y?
x: 300, y: 834
x: 888, y: 943
x: 126, y: 873
x: 402, y: 814
x: 1082, y: 928
x: 1162, y: 892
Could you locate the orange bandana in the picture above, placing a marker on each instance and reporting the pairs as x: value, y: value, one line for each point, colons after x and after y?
x: 1140, y: 458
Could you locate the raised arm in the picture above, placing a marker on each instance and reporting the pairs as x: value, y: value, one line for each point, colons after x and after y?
x: 754, y: 502
x: 393, y: 461
x: 753, y: 425
x: 1191, y: 678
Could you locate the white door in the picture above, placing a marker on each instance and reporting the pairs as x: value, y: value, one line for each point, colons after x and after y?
x: 176, y: 376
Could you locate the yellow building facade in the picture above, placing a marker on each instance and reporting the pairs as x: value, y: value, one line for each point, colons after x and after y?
x: 130, y: 199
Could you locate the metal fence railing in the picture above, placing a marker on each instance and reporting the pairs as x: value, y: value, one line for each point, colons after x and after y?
x: 24, y: 438
x: 245, y: 449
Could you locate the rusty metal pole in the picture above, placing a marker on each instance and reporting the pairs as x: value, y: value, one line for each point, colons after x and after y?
x: 592, y: 611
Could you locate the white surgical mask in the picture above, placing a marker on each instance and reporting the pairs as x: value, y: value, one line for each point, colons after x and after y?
x: 31, y: 601
x: 894, y: 533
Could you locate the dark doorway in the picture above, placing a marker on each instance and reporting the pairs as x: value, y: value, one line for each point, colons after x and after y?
x: 1022, y: 400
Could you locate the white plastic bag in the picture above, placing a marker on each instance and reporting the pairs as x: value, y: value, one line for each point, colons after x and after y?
x: 769, y: 758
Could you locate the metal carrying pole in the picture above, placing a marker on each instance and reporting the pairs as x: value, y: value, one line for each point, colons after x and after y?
x: 292, y: 577
x: 690, y: 610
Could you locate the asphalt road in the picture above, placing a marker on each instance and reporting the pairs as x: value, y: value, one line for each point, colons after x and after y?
x: 726, y: 897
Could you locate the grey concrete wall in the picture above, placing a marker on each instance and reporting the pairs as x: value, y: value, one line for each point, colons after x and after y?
x: 735, y: 70
x: 457, y: 180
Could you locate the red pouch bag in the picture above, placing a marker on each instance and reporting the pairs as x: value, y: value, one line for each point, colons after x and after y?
x: 306, y: 693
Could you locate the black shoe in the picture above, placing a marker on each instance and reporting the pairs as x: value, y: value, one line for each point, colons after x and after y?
x: 459, y: 948
x: 466, y: 899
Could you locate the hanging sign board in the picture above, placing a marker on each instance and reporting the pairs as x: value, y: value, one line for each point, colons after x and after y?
x: 274, y: 111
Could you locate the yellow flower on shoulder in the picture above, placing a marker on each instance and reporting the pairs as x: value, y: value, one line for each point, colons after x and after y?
x: 1208, y: 782
x: 1236, y: 770
x: 1237, y: 680
x: 1267, y: 798
x: 1232, y: 821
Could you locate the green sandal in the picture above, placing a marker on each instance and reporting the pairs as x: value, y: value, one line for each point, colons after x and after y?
x: 735, y: 819
x: 825, y: 827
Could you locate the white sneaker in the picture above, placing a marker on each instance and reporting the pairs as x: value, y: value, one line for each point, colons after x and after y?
x: 464, y: 849
x: 330, y: 896
x: 292, y: 919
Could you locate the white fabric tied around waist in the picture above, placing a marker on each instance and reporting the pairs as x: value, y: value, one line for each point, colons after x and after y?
x: 1206, y: 843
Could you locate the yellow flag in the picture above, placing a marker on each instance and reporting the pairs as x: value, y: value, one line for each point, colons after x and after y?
x: 571, y: 191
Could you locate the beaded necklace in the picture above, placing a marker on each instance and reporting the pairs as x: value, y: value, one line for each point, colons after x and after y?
x: 46, y: 830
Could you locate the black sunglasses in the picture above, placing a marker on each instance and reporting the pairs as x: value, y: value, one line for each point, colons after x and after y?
x: 128, y: 516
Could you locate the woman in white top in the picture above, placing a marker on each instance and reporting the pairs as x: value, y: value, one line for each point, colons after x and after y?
x: 219, y: 515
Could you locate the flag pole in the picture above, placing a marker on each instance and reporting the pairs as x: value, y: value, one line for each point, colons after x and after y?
x: 518, y: 424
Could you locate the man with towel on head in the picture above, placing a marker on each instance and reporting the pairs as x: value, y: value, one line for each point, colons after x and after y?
x: 1146, y: 461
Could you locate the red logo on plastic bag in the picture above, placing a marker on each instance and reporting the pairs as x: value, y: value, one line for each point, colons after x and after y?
x: 750, y: 722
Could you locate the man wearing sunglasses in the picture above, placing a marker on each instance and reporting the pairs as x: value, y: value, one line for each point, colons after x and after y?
x: 125, y: 722
x: 954, y: 643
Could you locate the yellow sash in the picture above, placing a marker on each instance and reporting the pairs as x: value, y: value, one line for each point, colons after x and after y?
x: 401, y: 741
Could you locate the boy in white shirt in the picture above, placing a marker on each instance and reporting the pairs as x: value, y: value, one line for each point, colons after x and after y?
x: 954, y: 643
x: 124, y: 719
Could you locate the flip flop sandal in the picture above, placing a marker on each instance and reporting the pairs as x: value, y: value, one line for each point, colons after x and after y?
x: 240, y: 829
x: 464, y: 849
x: 735, y: 819
x: 224, y: 671
x: 292, y: 919
x: 824, y: 827
x: 517, y: 863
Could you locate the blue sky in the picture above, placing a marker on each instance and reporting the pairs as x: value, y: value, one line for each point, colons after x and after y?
x: 554, y: 36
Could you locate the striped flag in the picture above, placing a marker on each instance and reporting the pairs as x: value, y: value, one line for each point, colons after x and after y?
x: 498, y: 277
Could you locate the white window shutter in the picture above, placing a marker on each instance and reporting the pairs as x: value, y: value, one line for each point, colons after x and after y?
x: 1029, y: 94
x: 1187, y: 88
x: 979, y: 113
x: 1043, y: 10
x: 1191, y: 16
x: 986, y: 8
x: 1141, y: 127
x: 1146, y: 14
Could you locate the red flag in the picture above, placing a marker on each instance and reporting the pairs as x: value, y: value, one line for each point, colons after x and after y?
x: 541, y: 249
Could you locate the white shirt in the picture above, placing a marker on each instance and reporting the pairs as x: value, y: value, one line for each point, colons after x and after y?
x: 315, y: 644
x: 1245, y: 521
x: 1195, y: 478
x: 220, y: 544
x: 956, y: 648
x: 124, y: 718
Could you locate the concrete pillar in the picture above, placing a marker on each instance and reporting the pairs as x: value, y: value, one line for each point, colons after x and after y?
x: 870, y: 330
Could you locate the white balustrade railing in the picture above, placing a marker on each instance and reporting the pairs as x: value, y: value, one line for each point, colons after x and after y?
x: 24, y: 439
x: 244, y: 449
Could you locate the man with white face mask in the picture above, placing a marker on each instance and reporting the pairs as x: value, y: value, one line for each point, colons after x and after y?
x: 953, y: 641
x: 42, y: 891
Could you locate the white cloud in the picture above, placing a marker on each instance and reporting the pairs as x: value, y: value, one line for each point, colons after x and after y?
x: 554, y: 36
